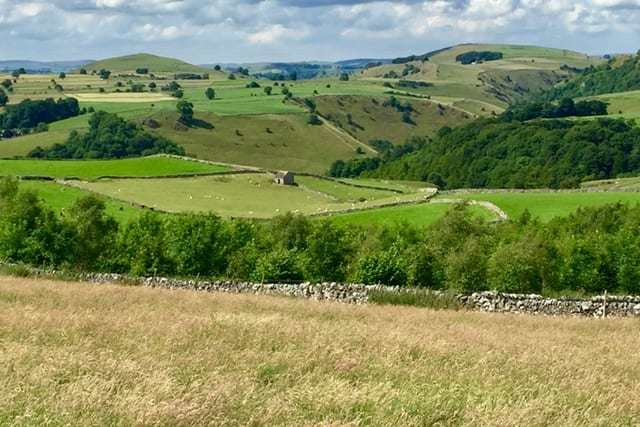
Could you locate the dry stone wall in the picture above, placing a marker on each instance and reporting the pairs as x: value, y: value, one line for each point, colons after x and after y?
x: 494, y: 302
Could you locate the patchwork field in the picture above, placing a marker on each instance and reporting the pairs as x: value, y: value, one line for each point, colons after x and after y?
x: 112, y: 355
x: 91, y: 169
x: 246, y: 195
x: 548, y: 205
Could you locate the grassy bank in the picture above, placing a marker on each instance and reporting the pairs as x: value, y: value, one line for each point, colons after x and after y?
x: 74, y: 353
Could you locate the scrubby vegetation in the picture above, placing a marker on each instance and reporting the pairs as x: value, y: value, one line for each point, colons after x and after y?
x: 109, y: 137
x: 495, y: 153
x: 592, y: 250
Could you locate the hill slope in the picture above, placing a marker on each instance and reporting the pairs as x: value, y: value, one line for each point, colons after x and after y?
x: 155, y: 64
x: 521, y: 72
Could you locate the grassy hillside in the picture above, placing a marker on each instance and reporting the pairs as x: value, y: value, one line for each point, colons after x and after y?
x: 368, y: 118
x: 273, y: 141
x: 73, y: 354
x: 523, y: 70
x: 155, y: 64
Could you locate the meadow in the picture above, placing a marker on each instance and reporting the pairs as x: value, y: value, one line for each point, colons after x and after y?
x: 548, y: 205
x: 113, y: 355
x: 60, y: 197
x: 92, y: 169
x: 420, y: 215
x: 252, y: 195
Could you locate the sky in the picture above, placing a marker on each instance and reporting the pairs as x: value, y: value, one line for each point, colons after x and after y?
x: 221, y: 31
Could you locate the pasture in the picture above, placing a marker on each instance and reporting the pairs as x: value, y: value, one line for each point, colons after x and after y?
x: 419, y: 215
x: 60, y: 197
x: 244, y: 196
x: 75, y: 353
x: 92, y: 169
x: 548, y: 205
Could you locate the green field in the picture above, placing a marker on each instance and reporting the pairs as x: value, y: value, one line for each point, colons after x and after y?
x: 60, y: 197
x: 246, y: 195
x: 548, y: 205
x: 341, y: 192
x: 91, y: 169
x: 423, y: 214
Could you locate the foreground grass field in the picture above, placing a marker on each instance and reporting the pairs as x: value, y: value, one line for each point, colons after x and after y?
x: 548, y: 205
x: 107, y: 355
x: 91, y: 169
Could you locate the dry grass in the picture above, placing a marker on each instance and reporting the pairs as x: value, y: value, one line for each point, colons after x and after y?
x: 73, y: 354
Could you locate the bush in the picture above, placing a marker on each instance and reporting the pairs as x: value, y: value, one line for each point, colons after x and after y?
x: 385, y: 268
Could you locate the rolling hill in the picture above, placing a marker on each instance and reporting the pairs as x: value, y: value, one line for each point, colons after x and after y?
x: 155, y: 64
x: 521, y: 72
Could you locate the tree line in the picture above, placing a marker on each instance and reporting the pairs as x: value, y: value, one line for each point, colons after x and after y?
x: 592, y: 250
x: 28, y: 114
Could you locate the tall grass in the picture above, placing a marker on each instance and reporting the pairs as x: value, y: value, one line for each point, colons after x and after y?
x: 416, y: 298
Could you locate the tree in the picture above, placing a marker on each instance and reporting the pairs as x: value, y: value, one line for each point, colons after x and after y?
x: 210, y: 93
x: 83, y: 71
x: 93, y: 233
x: 344, y: 77
x: 185, y: 108
x: 6, y: 83
x: 142, y: 70
x: 104, y: 74
x: 62, y: 75
x: 3, y: 98
x: 314, y: 120
x: 285, y: 91
x: 217, y: 68
x: 153, y: 85
x: 267, y: 90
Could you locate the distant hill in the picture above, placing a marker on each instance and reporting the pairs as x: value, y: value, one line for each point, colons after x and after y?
x: 155, y: 64
x: 303, y: 70
x: 519, y: 72
x: 619, y: 74
x: 42, y: 66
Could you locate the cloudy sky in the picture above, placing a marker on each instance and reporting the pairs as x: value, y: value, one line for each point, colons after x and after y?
x: 211, y: 31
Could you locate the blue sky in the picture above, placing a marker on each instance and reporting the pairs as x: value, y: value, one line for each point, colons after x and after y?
x: 211, y: 31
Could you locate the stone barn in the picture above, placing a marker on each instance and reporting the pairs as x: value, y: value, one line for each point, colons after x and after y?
x: 284, y: 178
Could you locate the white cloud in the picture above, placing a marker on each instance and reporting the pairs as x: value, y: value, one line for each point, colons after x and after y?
x: 208, y: 30
x: 275, y: 33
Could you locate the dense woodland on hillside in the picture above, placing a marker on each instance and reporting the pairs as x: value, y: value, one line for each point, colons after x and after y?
x: 607, y: 78
x: 537, y: 154
x: 592, y: 251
